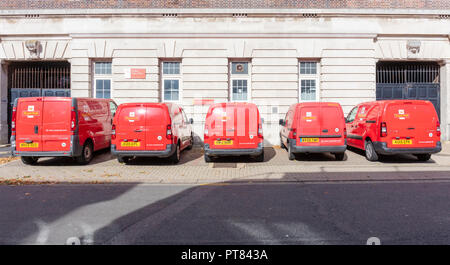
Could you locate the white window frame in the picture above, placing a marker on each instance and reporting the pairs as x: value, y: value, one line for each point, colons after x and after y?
x: 96, y: 77
x: 172, y: 77
x: 247, y: 77
x: 315, y: 77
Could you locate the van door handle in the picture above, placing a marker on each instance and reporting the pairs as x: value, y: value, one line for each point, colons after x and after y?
x: 325, y: 131
x: 28, y: 141
x: 138, y: 130
x: 36, y: 129
x: 411, y: 128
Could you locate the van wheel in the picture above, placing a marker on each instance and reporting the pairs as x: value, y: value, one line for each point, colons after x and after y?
x: 29, y: 160
x: 123, y: 159
x: 86, y: 155
x: 260, y: 157
x: 175, y: 157
x: 291, y: 155
x: 281, y: 143
x: 207, y: 158
x: 423, y: 157
x: 371, y: 155
x: 339, y: 156
x: 189, y: 147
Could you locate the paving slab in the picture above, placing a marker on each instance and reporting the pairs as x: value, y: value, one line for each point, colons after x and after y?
x: 192, y: 169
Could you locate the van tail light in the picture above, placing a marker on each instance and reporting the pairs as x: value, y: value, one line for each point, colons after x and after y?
x: 13, y: 122
x: 169, y: 132
x: 438, y: 129
x: 345, y: 132
x: 293, y: 133
x: 383, y: 130
x: 73, y: 120
x: 113, y: 132
x: 206, y: 133
x: 260, y: 131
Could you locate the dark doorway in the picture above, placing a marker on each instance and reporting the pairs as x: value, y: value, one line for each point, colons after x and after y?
x: 36, y: 79
x: 409, y: 80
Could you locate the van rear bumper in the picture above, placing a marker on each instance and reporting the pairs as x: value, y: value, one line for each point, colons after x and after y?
x: 74, y: 151
x: 318, y: 149
x: 170, y: 149
x: 233, y: 152
x: 381, y: 148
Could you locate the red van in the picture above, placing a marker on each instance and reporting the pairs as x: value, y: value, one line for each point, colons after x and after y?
x: 233, y: 129
x: 61, y: 126
x: 314, y: 127
x: 389, y: 127
x: 150, y: 130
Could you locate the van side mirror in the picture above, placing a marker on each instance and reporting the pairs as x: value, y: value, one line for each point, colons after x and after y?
x: 282, y: 122
x: 191, y: 121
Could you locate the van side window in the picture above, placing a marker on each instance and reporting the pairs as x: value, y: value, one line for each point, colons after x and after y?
x: 113, y: 108
x: 351, y: 116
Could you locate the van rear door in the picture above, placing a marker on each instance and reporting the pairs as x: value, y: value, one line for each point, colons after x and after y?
x: 56, y: 124
x: 223, y: 127
x: 410, y: 124
x: 130, y: 129
x: 332, y: 124
x: 156, y: 123
x: 246, y: 126
x: 29, y: 114
x: 309, y: 125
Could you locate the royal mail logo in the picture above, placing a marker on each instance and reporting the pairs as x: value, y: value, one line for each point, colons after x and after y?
x: 310, y: 118
x: 401, y: 116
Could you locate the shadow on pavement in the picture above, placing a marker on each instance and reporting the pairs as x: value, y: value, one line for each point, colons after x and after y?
x: 185, y: 157
x: 100, y: 156
x: 269, y: 153
x: 392, y: 159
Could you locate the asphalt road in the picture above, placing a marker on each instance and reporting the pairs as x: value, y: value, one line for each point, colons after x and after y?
x: 239, y: 213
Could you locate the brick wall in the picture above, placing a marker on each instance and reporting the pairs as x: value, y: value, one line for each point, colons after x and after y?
x: 319, y: 4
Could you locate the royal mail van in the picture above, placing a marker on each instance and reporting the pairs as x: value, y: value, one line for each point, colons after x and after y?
x: 61, y: 126
x: 389, y: 127
x: 150, y: 130
x: 314, y: 127
x: 233, y: 129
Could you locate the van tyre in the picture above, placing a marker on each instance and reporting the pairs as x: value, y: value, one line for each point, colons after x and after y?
x: 291, y: 155
x: 260, y: 157
x: 175, y: 157
x: 207, y: 158
x: 281, y: 143
x: 86, y: 155
x: 123, y: 159
x: 29, y: 160
x: 423, y: 157
x: 189, y: 147
x: 371, y: 154
x: 339, y: 156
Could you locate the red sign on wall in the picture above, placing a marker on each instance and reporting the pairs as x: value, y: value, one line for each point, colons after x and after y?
x: 138, y: 73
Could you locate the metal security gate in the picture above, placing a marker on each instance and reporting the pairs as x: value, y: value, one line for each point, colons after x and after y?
x: 35, y: 79
x: 398, y: 80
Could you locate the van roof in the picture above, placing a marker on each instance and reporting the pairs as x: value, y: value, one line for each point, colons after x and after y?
x: 306, y: 104
x: 146, y: 104
x: 399, y: 101
x: 232, y: 104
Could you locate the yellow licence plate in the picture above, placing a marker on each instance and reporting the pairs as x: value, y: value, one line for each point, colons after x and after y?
x: 30, y: 145
x: 130, y: 144
x: 309, y: 140
x: 224, y: 142
x: 401, y: 141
